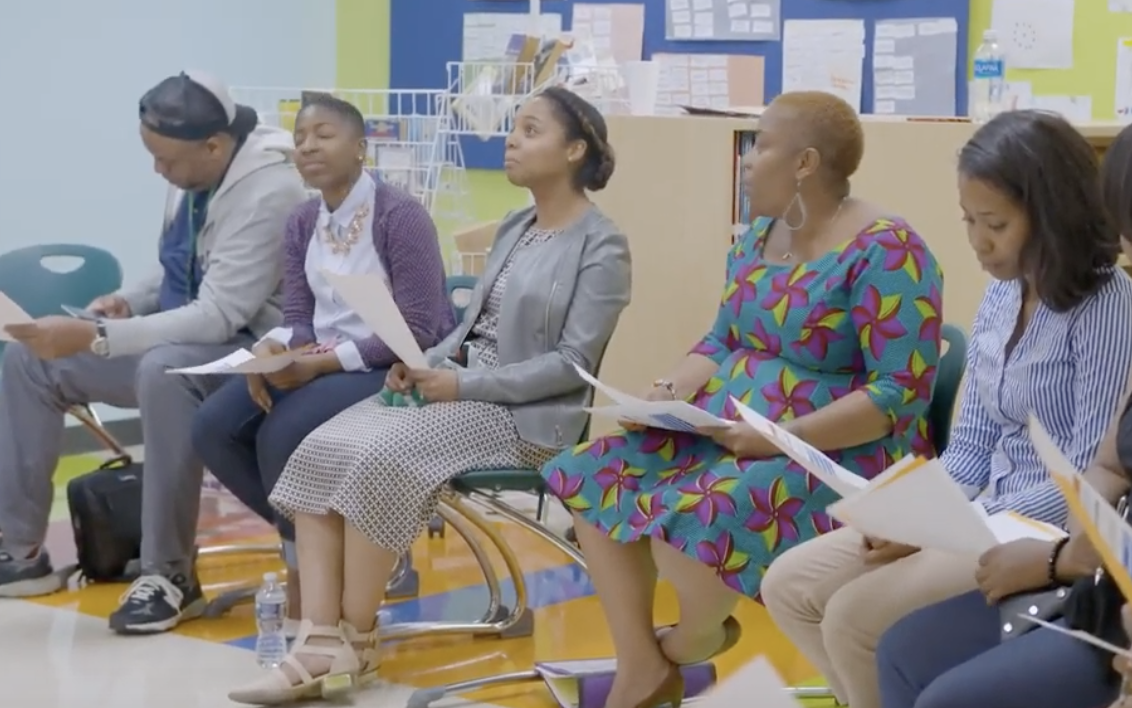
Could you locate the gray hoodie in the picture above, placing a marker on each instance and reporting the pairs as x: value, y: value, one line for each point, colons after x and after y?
x: 241, y: 250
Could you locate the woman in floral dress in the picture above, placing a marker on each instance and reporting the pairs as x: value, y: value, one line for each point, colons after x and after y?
x: 830, y: 325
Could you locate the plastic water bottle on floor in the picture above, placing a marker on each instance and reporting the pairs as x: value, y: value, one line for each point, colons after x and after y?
x: 270, y: 617
x: 988, y: 90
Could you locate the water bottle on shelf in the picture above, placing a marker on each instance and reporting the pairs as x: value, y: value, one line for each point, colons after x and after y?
x: 270, y: 617
x: 988, y: 90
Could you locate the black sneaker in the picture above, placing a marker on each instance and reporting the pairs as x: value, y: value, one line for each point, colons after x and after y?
x: 155, y: 603
x: 28, y: 577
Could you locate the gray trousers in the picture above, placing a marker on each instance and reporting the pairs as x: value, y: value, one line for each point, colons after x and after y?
x: 34, y: 395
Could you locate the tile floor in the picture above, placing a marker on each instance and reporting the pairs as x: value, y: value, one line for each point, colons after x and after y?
x: 56, y: 652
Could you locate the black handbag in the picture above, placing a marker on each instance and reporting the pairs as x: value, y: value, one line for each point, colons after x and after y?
x: 106, y: 520
x: 1095, y: 606
x: 1046, y: 605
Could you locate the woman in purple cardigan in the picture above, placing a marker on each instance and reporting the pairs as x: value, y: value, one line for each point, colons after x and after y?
x: 246, y: 431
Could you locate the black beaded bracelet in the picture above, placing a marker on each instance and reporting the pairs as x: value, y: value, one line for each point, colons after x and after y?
x: 1054, y: 554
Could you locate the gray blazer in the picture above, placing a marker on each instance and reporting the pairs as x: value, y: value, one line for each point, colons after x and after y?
x: 560, y: 307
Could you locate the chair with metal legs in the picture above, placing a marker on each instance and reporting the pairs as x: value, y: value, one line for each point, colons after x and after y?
x: 405, y: 582
x: 481, y: 488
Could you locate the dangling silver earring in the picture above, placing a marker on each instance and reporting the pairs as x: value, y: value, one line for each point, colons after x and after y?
x: 795, y: 201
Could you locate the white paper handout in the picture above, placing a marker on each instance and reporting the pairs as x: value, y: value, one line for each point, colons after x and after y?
x: 918, y: 503
x: 810, y: 458
x: 242, y: 361
x: 678, y: 416
x: 923, y: 507
x: 756, y: 680
x: 11, y: 313
x: 368, y: 296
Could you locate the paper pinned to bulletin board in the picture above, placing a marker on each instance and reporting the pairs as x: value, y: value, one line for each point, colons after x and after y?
x: 1124, y: 79
x: 487, y: 34
x: 615, y: 30
x: 824, y: 55
x: 912, y: 65
x: 1035, y: 34
x: 717, y: 81
x: 728, y: 20
x: 1095, y: 62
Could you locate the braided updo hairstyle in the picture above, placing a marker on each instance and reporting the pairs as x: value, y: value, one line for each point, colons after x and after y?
x: 581, y: 121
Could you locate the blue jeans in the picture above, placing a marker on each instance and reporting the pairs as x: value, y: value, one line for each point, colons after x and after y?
x: 247, y: 449
x: 950, y: 655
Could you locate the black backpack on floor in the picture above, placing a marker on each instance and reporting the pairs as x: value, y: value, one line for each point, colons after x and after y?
x: 106, y: 520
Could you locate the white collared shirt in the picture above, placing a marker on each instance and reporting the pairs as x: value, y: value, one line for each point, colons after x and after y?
x: 334, y: 321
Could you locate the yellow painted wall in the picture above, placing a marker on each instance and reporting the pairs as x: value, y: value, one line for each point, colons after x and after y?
x: 1095, y: 31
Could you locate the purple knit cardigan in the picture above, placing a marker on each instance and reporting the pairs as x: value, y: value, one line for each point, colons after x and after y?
x: 406, y: 242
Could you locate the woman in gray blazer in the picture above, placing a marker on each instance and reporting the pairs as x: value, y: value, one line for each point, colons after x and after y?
x: 500, y: 391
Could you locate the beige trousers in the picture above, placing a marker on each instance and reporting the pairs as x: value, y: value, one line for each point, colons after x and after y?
x: 834, y: 608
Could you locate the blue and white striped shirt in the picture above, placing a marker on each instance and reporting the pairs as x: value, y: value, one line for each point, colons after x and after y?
x: 1070, y: 369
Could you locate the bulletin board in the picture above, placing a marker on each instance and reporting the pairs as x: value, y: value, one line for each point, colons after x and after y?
x: 1095, y: 33
x: 427, y: 34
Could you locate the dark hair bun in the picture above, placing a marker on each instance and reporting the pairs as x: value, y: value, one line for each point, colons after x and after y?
x: 581, y: 120
x: 600, y: 169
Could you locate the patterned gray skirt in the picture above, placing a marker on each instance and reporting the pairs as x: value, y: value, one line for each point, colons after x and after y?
x: 382, y: 468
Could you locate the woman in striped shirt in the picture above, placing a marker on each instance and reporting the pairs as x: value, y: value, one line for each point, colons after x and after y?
x: 1052, y: 337
x: 951, y: 654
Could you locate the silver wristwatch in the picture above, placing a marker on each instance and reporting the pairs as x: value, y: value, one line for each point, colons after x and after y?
x: 100, y: 346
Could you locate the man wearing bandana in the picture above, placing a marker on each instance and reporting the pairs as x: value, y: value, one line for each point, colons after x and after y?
x: 232, y: 188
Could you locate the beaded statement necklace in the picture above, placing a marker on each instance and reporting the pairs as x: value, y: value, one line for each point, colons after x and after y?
x: 341, y: 246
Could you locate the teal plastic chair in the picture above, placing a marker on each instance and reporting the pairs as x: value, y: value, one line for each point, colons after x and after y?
x: 460, y: 289
x: 948, y: 379
x: 25, y: 277
x: 42, y: 291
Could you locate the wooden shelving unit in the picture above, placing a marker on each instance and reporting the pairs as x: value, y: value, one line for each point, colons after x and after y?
x: 675, y: 194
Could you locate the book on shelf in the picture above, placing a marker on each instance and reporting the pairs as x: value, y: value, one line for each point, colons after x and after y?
x: 740, y: 203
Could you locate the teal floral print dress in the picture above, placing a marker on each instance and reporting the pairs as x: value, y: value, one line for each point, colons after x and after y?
x: 788, y: 339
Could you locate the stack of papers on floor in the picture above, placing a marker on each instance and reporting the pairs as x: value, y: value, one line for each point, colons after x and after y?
x: 585, y: 683
x: 755, y: 684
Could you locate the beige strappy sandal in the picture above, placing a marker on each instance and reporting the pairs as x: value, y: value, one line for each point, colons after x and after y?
x: 366, y: 647
x: 276, y: 688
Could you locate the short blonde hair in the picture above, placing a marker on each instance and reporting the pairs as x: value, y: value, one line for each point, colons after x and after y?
x: 829, y: 125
